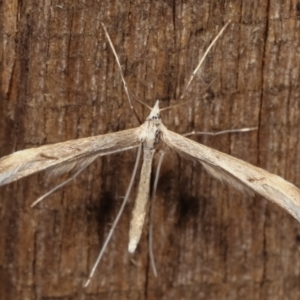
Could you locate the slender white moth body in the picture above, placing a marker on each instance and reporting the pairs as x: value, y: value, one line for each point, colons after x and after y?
x: 139, y: 210
x: 150, y: 137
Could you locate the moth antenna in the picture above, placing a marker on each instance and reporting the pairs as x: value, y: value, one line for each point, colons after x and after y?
x: 184, y: 103
x: 203, y: 58
x: 173, y: 106
x: 143, y: 103
x: 58, y: 187
x: 152, y: 261
x: 121, y: 72
x: 197, y: 69
x: 220, y: 132
x: 117, y: 218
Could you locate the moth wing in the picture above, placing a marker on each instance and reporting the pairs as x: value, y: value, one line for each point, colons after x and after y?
x: 63, y: 157
x: 238, y: 173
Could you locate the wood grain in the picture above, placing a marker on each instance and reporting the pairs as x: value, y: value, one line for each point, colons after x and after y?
x: 59, y: 81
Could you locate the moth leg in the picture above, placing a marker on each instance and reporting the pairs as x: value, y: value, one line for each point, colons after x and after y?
x: 152, y: 261
x: 214, y: 133
x: 117, y: 218
x: 58, y: 186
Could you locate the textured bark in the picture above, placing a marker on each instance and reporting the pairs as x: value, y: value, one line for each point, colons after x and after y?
x: 59, y: 81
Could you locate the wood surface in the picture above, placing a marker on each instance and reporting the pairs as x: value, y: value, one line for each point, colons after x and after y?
x: 59, y: 81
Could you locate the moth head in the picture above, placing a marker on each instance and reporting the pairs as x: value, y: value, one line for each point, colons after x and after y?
x: 154, y: 114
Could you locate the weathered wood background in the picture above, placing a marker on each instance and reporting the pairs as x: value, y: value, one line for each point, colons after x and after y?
x: 59, y: 81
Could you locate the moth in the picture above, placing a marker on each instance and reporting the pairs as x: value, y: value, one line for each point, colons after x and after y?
x: 76, y: 155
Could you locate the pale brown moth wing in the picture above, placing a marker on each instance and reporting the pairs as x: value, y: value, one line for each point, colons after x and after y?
x: 65, y: 156
x: 238, y: 173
